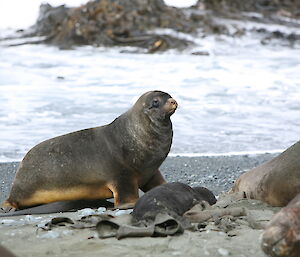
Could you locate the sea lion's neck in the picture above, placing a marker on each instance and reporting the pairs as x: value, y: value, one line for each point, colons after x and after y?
x: 146, y: 143
x: 143, y: 125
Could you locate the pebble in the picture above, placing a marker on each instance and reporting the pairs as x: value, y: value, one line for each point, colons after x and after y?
x: 49, y: 234
x: 86, y: 212
x: 223, y: 251
x: 122, y: 212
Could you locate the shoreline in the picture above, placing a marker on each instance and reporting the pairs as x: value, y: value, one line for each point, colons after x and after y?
x: 217, y: 173
x: 182, y: 154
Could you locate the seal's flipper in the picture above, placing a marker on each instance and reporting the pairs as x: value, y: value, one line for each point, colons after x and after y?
x: 156, y: 180
x: 6, y: 206
x: 4, y: 210
x: 62, y: 206
x: 125, y: 192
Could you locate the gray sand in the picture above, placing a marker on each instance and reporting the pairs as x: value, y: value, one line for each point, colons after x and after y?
x: 216, y: 173
x: 237, y: 237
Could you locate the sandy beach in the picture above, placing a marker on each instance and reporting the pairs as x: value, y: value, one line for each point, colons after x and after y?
x: 23, y: 237
x: 226, y: 237
x: 217, y: 173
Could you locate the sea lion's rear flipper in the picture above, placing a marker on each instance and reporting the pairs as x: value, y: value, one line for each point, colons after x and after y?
x: 4, y: 210
x: 7, y: 207
x: 62, y: 206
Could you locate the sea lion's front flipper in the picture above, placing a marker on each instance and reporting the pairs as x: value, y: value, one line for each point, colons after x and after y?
x: 156, y: 180
x: 7, y: 207
x: 125, y: 191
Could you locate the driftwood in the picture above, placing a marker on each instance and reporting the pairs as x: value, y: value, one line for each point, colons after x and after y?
x: 163, y: 225
x: 196, y: 215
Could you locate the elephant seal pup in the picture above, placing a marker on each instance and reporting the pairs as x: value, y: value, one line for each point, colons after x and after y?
x: 281, y: 237
x: 275, y: 182
x: 114, y: 160
x: 172, y: 198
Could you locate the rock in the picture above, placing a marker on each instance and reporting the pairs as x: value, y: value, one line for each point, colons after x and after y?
x: 112, y: 23
x: 136, y: 23
x: 288, y: 8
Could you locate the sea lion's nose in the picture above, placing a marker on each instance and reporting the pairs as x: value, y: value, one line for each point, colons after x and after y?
x: 173, y: 102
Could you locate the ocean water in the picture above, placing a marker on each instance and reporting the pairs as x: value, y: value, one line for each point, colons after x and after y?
x: 241, y: 98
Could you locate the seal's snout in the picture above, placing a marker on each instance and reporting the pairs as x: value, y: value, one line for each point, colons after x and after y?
x: 170, y: 106
x: 172, y: 103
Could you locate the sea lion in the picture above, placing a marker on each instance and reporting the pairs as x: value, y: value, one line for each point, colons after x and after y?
x: 281, y: 238
x: 172, y: 198
x: 275, y: 182
x: 102, y: 162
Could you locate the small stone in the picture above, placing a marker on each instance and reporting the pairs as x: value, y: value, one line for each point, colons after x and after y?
x: 122, y: 212
x: 49, y: 234
x: 31, y: 219
x: 101, y: 210
x: 223, y: 252
x: 201, y: 53
x: 86, y: 212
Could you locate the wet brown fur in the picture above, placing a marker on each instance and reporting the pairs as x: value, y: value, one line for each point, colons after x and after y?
x: 276, y: 182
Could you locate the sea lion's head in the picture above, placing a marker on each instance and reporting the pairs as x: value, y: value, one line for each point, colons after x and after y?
x: 205, y: 194
x: 157, y: 105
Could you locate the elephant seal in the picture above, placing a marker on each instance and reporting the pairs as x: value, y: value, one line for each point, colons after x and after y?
x: 114, y: 160
x: 275, y: 182
x: 172, y: 198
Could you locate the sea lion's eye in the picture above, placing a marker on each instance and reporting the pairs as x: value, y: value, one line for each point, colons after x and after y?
x: 155, y: 103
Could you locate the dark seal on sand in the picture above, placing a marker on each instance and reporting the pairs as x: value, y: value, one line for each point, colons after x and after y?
x: 173, y: 198
x: 114, y: 160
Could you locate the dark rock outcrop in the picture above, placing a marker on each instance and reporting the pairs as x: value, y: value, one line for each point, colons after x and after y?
x: 113, y: 23
x: 154, y: 26
x: 289, y: 8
